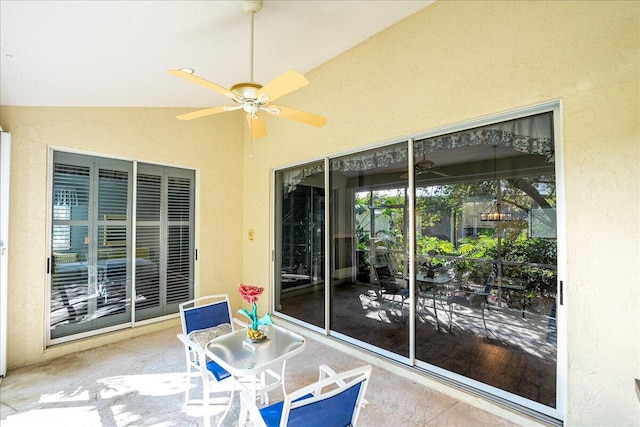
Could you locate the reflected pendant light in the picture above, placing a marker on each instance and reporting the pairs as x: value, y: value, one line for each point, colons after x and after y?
x: 495, y: 213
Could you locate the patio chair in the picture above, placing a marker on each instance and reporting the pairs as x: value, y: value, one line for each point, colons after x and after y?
x: 334, y: 401
x: 390, y: 287
x: 474, y: 300
x: 203, y: 319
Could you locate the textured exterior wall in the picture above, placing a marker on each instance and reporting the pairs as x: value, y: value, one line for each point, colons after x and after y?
x: 456, y: 61
x: 212, y: 146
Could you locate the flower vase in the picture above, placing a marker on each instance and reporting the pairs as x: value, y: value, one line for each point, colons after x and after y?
x: 255, y: 335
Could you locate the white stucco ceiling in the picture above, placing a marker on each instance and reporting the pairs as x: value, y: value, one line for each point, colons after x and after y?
x: 117, y: 53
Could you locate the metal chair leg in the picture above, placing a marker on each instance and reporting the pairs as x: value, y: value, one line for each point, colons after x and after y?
x: 484, y: 321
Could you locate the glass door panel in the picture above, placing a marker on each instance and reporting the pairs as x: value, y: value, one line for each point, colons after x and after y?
x: 300, y: 251
x: 369, y: 294
x: 90, y: 284
x: 485, y: 254
x: 486, y: 257
x: 164, y: 239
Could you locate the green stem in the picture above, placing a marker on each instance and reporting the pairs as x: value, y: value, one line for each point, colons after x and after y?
x: 254, y: 317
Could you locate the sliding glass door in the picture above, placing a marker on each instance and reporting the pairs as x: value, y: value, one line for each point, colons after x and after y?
x: 442, y: 254
x: 91, y: 202
x: 300, y: 251
x: 98, y: 271
x: 486, y: 256
x: 164, y: 239
x: 369, y: 277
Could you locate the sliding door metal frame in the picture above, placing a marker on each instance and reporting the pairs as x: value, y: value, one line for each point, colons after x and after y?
x: 549, y: 414
x: 48, y: 341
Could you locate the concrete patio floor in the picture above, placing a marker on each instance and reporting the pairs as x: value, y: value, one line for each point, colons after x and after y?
x: 141, y: 381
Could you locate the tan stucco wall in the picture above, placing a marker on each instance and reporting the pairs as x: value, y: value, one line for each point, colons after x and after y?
x: 456, y: 61
x: 213, y: 146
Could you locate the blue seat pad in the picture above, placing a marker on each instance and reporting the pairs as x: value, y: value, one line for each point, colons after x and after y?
x: 272, y: 414
x: 335, y: 411
x: 218, y: 371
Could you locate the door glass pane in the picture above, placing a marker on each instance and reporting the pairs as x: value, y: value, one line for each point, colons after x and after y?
x: 147, y: 268
x: 148, y: 214
x: 179, y: 277
x: 164, y: 239
x: 300, y: 253
x: 369, y: 292
x: 90, y: 286
x: 486, y: 256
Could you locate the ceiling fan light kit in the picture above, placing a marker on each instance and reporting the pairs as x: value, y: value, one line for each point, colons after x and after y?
x: 252, y: 97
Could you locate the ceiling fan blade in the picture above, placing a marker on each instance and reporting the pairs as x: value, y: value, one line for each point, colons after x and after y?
x: 257, y: 126
x: 299, y: 116
x: 200, y: 81
x: 283, y: 84
x: 205, y: 112
x: 395, y: 170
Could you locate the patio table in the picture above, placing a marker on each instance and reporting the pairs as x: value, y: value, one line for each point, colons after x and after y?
x: 438, y: 283
x: 242, y: 358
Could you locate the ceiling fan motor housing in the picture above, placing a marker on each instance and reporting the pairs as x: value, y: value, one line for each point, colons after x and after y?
x: 247, y: 90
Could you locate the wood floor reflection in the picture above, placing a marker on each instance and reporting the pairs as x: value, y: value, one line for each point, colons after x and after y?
x: 517, y: 352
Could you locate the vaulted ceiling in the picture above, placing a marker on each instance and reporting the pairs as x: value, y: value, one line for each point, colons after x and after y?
x: 117, y: 53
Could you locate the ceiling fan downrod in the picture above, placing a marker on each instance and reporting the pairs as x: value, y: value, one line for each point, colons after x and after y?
x: 251, y: 7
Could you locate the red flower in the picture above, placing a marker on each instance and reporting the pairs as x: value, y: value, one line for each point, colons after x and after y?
x: 250, y: 293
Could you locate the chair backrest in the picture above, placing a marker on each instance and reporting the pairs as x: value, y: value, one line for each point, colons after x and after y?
x: 384, y: 272
x: 337, y: 407
x: 386, y: 279
x: 464, y: 279
x: 490, y: 282
x: 205, y: 312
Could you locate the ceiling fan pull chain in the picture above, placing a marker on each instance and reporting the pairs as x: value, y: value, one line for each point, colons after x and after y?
x: 251, y: 136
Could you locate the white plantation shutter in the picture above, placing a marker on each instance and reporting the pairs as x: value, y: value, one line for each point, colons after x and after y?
x: 180, y: 239
x: 90, y: 280
x: 148, y: 226
x: 165, y: 220
x: 92, y: 251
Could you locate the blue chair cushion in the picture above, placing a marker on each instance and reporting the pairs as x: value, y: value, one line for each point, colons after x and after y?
x: 206, y: 316
x: 272, y: 413
x: 218, y: 371
x: 335, y: 411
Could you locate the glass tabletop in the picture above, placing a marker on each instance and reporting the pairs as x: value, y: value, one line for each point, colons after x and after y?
x: 240, y: 357
x: 437, y: 280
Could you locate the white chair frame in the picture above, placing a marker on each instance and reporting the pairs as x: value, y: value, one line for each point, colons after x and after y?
x: 195, y: 354
x: 328, y: 378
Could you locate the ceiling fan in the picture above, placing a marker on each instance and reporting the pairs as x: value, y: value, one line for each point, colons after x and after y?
x: 421, y: 167
x: 251, y: 97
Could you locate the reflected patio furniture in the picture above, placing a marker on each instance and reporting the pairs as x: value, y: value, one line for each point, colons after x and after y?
x: 434, y: 289
x: 389, y: 289
x: 473, y: 300
x: 334, y: 400
x: 291, y: 282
